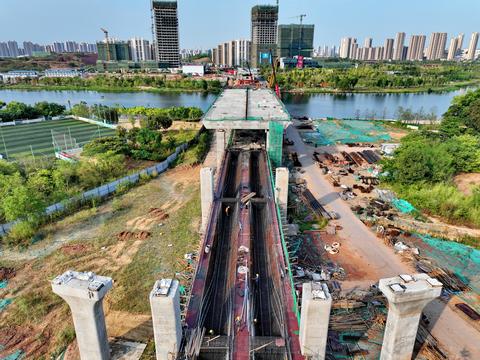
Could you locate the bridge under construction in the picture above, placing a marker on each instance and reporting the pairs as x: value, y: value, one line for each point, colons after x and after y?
x: 242, y: 303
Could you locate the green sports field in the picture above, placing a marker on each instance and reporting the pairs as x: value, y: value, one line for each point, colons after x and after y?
x: 20, y: 140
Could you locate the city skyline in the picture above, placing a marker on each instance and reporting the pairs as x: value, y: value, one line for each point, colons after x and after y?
x: 332, y: 22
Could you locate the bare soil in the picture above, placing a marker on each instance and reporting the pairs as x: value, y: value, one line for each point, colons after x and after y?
x: 39, y: 322
x: 466, y: 182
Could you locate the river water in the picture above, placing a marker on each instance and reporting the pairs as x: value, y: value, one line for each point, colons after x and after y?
x: 311, y: 105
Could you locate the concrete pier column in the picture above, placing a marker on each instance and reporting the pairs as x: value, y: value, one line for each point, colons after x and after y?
x: 407, y: 296
x: 84, y: 293
x: 221, y: 146
x: 314, y: 319
x: 281, y: 190
x: 167, y: 326
x: 206, y: 194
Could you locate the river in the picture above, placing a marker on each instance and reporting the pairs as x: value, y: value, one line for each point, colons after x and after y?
x: 311, y: 105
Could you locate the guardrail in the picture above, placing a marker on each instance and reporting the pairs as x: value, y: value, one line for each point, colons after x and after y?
x: 104, y: 190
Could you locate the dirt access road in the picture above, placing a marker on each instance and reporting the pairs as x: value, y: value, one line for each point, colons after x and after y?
x: 454, y: 333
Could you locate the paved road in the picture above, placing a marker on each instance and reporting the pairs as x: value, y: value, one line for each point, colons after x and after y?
x: 460, y: 339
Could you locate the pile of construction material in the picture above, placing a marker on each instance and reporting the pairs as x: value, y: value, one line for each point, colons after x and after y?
x: 357, y: 325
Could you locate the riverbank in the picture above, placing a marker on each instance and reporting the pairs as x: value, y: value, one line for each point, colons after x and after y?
x: 410, y: 90
x: 104, y: 89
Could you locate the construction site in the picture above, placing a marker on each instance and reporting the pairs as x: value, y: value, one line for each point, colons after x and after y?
x: 301, y: 256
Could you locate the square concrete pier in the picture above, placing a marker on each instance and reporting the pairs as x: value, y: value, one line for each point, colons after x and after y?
x: 407, y: 296
x: 84, y: 293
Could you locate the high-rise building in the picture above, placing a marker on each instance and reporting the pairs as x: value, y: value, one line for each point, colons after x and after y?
x: 58, y: 47
x: 436, y: 48
x: 472, y: 47
x: 140, y: 49
x: 71, y: 46
x: 368, y: 42
x: 416, y: 47
x: 399, y: 44
x: 388, y: 49
x: 165, y: 30
x: 13, y: 48
x: 264, y: 33
x: 4, y: 52
x: 455, y: 47
x: 295, y: 39
x: 345, y: 46
x: 242, y: 52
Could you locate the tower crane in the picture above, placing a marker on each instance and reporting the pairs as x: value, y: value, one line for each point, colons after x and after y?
x: 299, y: 17
x: 106, y: 42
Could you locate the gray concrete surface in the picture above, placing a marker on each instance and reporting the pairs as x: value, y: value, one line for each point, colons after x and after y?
x: 84, y: 293
x: 167, y: 327
x: 407, y: 296
x: 314, y: 320
x: 206, y: 194
x: 281, y: 190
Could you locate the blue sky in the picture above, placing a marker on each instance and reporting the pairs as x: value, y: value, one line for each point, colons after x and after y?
x: 204, y: 23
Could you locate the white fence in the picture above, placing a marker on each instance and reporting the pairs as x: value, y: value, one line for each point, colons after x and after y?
x: 94, y: 122
x: 104, y: 190
x: 42, y: 119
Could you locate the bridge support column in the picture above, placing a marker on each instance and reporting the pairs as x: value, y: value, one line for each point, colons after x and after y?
x: 84, y: 293
x: 206, y: 194
x: 281, y: 190
x: 407, y: 296
x: 314, y: 319
x: 221, y: 146
x: 167, y: 327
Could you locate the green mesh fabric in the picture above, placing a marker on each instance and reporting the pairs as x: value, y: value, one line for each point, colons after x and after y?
x: 275, y: 142
x: 330, y: 132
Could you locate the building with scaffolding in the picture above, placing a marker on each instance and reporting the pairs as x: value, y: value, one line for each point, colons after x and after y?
x: 165, y: 33
x: 264, y: 33
x: 295, y: 40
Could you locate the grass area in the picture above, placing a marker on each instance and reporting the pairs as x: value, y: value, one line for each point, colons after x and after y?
x: 87, y: 241
x: 158, y: 259
x: 20, y: 140
x: 443, y: 200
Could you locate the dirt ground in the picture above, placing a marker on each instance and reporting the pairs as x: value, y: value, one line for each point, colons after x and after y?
x: 167, y: 208
x: 466, y: 182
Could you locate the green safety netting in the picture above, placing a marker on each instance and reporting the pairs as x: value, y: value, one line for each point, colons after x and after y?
x: 275, y: 142
x: 461, y: 259
x: 403, y: 206
x: 330, y: 132
x: 17, y: 355
x: 4, y: 303
x: 3, y: 284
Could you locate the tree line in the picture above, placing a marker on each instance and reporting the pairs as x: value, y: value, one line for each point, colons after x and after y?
x: 134, y: 82
x: 376, y: 76
x: 15, y: 110
x: 424, y: 166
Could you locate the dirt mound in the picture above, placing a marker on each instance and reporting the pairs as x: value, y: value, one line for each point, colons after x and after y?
x: 158, y: 214
x: 7, y: 273
x: 74, y: 249
x: 142, y: 235
x: 127, y: 235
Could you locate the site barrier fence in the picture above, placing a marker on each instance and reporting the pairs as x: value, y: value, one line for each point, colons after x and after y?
x: 104, y: 190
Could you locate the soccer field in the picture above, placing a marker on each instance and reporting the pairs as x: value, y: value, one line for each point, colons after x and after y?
x: 21, y: 140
